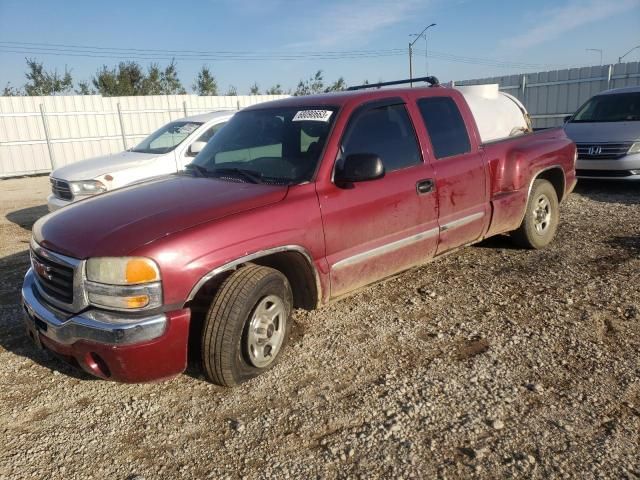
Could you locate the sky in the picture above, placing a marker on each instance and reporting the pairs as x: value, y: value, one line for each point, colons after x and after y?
x: 283, y: 41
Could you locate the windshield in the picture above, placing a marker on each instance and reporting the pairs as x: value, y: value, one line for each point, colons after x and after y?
x: 167, y: 138
x: 616, y: 107
x: 272, y: 145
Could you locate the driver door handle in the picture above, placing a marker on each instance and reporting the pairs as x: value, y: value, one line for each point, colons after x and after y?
x: 425, y: 186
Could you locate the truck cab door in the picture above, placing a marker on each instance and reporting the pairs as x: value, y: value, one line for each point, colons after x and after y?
x: 460, y: 171
x: 376, y: 228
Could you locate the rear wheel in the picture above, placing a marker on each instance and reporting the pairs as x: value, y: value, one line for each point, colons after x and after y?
x: 541, y: 218
x: 247, y: 325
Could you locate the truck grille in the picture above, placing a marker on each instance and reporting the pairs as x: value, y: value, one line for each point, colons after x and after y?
x: 61, y: 189
x: 602, y: 151
x: 55, y: 279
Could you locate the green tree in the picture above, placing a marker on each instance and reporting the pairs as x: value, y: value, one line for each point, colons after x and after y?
x: 124, y: 80
x: 311, y: 86
x: 232, y: 91
x: 255, y: 89
x: 206, y: 83
x: 337, y: 86
x: 152, y: 83
x: 170, y: 82
x: 10, y: 91
x: 42, y: 82
x: 84, y: 88
x: 275, y: 90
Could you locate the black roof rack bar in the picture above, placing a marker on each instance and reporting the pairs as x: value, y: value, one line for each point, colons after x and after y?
x: 433, y: 81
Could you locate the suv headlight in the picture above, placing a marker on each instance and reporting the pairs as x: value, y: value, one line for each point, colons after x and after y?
x: 635, y: 148
x: 87, y: 187
x: 123, y: 283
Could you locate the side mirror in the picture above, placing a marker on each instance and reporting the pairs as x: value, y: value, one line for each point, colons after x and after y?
x: 567, y: 118
x: 196, y: 147
x: 360, y: 167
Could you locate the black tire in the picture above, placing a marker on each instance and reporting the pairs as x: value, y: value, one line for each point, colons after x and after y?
x: 225, y: 356
x: 533, y: 231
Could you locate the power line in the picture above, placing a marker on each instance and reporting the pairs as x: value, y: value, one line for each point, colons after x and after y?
x: 183, y: 57
x: 192, y: 53
x: 33, y: 48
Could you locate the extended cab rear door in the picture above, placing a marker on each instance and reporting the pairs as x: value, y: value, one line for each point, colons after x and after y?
x: 376, y: 228
x: 460, y: 168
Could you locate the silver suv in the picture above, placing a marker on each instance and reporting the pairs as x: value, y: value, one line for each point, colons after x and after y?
x: 606, y: 130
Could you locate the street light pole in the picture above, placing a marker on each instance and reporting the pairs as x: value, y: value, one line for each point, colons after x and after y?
x: 595, y: 50
x: 620, y: 58
x: 411, y: 51
x: 410, y: 64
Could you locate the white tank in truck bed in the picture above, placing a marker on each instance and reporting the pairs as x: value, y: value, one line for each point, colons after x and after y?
x: 497, y: 114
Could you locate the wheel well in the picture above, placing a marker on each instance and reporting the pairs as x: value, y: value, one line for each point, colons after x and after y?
x: 300, y: 274
x: 291, y: 264
x: 556, y: 177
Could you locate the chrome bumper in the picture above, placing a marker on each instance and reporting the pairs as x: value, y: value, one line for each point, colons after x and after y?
x: 630, y: 163
x: 92, y: 325
x: 54, y: 203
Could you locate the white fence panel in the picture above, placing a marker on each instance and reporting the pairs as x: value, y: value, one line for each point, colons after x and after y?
x: 38, y: 134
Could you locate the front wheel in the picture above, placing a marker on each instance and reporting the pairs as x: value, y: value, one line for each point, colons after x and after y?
x: 541, y: 217
x: 247, y: 325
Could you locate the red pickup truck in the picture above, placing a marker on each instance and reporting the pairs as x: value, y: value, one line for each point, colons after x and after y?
x: 294, y: 203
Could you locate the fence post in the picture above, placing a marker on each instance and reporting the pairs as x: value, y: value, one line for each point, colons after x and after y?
x: 47, y: 136
x: 609, y: 73
x: 238, y: 104
x: 124, y: 138
x: 184, y: 105
x: 523, y: 85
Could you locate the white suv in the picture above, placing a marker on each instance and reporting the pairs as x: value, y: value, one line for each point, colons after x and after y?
x: 165, y: 151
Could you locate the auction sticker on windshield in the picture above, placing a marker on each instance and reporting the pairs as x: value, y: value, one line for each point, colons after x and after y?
x: 313, y: 115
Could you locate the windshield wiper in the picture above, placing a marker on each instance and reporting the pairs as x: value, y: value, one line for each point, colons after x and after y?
x: 250, y: 175
x: 203, y: 172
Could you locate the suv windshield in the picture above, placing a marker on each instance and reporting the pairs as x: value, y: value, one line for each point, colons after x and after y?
x: 271, y: 145
x: 167, y: 138
x: 616, y: 107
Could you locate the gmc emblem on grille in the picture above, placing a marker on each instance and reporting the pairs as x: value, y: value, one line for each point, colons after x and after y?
x: 42, y: 270
x: 597, y: 150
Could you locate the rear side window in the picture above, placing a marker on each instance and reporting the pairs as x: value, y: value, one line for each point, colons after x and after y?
x: 445, y: 126
x: 206, y: 136
x: 387, y: 132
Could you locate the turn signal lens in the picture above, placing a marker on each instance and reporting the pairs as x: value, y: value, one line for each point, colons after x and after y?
x: 117, y: 302
x: 141, y: 270
x: 137, y: 302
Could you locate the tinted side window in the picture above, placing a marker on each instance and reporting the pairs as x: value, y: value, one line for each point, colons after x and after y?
x: 445, y: 126
x: 387, y: 132
x: 206, y: 136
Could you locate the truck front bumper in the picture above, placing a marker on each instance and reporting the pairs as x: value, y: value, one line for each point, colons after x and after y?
x: 111, y: 345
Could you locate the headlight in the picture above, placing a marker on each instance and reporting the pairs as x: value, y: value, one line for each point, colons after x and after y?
x: 123, y: 283
x: 635, y: 148
x: 87, y: 187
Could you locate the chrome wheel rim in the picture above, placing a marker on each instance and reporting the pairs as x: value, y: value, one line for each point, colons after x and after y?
x: 266, y: 331
x: 542, y: 214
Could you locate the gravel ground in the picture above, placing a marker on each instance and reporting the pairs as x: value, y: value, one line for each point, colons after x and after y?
x: 493, y: 362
